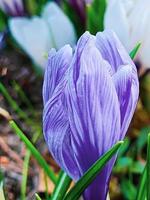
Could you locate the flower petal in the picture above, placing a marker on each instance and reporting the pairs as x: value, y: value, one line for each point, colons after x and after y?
x: 116, y: 19
x: 92, y: 100
x: 55, y: 117
x: 57, y: 133
x: 58, y: 64
x: 112, y: 50
x: 141, y: 34
x: 61, y: 28
x: 127, y: 87
x: 33, y: 36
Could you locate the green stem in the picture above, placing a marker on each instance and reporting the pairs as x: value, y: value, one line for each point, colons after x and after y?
x: 142, y: 186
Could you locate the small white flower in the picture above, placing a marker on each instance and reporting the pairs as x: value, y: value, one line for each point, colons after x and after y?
x: 130, y: 19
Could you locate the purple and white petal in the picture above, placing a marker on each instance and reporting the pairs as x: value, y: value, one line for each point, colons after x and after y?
x: 112, y: 50
x: 90, y: 105
x: 127, y: 87
x: 55, y: 118
x: 57, y: 66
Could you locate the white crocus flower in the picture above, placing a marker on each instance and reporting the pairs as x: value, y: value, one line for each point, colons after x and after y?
x: 37, y: 35
x: 130, y: 19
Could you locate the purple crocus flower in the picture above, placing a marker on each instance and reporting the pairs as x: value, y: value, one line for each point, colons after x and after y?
x: 12, y: 7
x: 89, y: 100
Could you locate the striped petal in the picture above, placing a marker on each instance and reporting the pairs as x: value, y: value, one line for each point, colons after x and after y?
x: 112, y: 50
x: 92, y: 100
x: 55, y: 118
x: 57, y: 66
x: 127, y: 87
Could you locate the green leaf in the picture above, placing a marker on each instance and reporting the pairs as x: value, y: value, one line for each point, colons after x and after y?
x: 62, y: 187
x: 148, y: 168
x: 128, y: 189
x: 91, y: 174
x: 141, y: 194
x: 95, y: 16
x: 134, y: 51
x: 34, y: 152
x: 124, y: 147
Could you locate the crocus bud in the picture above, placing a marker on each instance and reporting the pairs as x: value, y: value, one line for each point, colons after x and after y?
x: 12, y: 7
x: 37, y: 35
x: 130, y: 20
x: 89, y: 100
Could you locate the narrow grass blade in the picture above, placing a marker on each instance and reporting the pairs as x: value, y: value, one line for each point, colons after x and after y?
x: 12, y: 103
x: 37, y: 197
x: 135, y: 50
x: 34, y: 152
x: 18, y: 110
x: 148, y: 168
x: 26, y: 167
x: 25, y: 175
x: 62, y: 187
x: 91, y: 174
x: 22, y: 95
x: 141, y: 194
